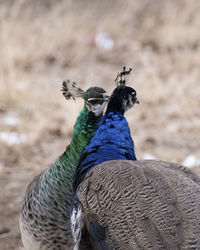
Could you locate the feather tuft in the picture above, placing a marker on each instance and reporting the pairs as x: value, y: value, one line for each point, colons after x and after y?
x: 71, y: 90
x: 121, y: 77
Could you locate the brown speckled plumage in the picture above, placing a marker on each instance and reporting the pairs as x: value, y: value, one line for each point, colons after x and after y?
x: 143, y: 204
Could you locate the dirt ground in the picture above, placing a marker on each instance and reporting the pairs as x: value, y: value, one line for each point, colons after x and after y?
x: 45, y: 42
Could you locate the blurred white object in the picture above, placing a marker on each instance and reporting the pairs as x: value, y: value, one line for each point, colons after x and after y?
x: 10, y: 120
x: 104, y: 41
x: 148, y: 156
x: 21, y: 86
x: 12, y: 137
x: 172, y: 128
x: 191, y: 161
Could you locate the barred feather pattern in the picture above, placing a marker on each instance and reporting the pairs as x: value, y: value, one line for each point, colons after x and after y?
x: 71, y: 90
x: 143, y: 204
x: 45, y: 219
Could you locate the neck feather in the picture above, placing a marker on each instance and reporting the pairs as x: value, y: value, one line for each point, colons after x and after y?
x: 84, y: 128
x: 63, y: 169
x: 115, y: 105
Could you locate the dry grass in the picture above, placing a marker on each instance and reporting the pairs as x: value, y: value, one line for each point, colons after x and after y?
x: 43, y: 44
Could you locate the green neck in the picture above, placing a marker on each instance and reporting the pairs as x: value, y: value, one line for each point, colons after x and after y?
x: 85, y: 126
x: 56, y: 181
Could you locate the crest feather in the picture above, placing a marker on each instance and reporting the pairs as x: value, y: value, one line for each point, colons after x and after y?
x: 121, y: 77
x: 71, y: 90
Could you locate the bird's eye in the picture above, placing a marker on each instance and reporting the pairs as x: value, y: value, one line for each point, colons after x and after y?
x: 93, y: 102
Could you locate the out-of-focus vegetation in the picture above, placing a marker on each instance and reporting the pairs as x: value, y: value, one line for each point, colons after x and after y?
x: 45, y: 42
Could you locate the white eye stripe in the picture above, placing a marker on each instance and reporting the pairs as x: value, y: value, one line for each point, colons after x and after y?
x: 106, y: 96
x: 91, y: 99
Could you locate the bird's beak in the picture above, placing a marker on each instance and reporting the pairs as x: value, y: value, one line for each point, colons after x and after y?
x: 106, y: 96
x: 137, y: 101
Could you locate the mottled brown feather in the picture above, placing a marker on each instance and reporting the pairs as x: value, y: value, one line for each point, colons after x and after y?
x: 144, y: 204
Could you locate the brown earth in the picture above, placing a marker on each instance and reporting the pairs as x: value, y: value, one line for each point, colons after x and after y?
x: 43, y: 44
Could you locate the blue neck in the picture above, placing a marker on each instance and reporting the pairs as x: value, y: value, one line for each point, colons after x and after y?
x: 111, y: 141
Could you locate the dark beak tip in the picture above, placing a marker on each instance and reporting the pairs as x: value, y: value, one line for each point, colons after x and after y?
x: 106, y: 97
x: 137, y: 101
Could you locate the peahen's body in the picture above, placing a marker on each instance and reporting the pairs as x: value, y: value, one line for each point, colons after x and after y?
x: 45, y: 219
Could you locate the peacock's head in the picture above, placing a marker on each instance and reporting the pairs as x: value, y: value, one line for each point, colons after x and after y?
x: 95, y: 98
x: 123, y: 97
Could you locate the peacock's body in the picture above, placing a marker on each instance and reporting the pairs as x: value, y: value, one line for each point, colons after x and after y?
x: 45, y: 215
x: 126, y: 204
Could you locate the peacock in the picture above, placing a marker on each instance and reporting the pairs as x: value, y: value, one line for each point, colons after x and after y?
x: 45, y: 214
x: 111, y: 141
x: 121, y: 203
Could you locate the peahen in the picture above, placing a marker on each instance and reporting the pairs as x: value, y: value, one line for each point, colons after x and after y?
x: 45, y: 215
x: 125, y: 204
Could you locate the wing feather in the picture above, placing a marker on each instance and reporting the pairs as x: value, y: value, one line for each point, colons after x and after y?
x: 143, y: 204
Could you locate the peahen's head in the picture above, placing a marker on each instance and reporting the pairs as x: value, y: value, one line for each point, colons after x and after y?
x: 123, y: 97
x: 95, y: 98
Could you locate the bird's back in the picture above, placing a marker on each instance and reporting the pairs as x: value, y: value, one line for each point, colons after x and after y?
x: 44, y: 215
x: 142, y: 205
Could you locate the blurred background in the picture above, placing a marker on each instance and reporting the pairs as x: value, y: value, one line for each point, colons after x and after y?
x: 44, y: 42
